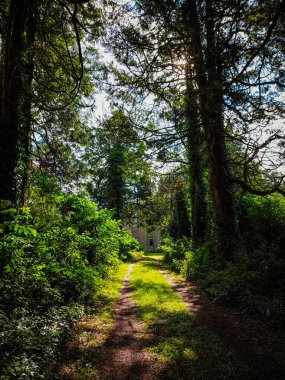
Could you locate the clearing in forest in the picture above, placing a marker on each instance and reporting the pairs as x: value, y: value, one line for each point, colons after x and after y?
x: 165, y: 329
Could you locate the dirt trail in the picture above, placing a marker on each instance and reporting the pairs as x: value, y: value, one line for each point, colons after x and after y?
x: 124, y: 357
x: 261, y: 350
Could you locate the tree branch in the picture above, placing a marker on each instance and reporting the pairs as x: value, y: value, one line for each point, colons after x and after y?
x: 249, y: 189
x: 270, y: 30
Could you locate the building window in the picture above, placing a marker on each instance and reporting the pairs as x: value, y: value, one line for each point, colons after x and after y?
x: 135, y: 218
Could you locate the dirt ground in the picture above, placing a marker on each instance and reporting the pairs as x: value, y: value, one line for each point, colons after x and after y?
x: 124, y: 358
x: 123, y: 355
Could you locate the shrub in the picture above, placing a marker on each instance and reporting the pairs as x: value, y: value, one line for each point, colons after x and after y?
x: 129, y: 247
x: 175, y: 252
x: 262, y: 222
x: 255, y: 281
x: 49, y: 270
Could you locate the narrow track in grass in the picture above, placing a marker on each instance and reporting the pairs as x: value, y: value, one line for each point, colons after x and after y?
x: 108, y: 343
x: 124, y: 356
x: 193, y: 338
x: 183, y: 349
x: 161, y: 327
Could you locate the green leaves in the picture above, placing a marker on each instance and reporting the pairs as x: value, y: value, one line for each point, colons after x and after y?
x: 53, y: 254
x: 25, y: 230
x: 33, y: 232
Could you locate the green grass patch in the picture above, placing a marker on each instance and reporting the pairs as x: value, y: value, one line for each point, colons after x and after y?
x: 103, y: 302
x: 152, y: 257
x: 184, y: 349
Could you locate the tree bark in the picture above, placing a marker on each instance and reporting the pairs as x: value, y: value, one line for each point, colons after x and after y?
x: 15, y: 124
x: 11, y: 98
x: 28, y: 70
x: 219, y: 169
x: 209, y: 84
x: 197, y: 187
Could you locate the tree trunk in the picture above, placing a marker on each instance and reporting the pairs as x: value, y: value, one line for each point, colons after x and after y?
x: 211, y: 106
x: 1, y: 73
x: 11, y: 98
x: 219, y: 169
x: 197, y: 189
x: 15, y: 125
x: 28, y: 69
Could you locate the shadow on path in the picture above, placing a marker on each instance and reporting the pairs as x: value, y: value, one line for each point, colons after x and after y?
x: 208, y: 342
x: 259, y: 350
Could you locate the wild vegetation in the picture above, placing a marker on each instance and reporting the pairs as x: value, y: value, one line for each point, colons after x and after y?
x: 254, y: 282
x: 55, y: 255
x: 167, y: 114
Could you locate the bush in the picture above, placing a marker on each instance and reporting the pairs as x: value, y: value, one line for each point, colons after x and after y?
x: 255, y: 282
x: 262, y: 222
x: 175, y: 253
x: 129, y: 247
x: 49, y: 270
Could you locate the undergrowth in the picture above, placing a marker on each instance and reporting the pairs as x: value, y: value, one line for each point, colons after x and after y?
x: 254, y: 281
x: 56, y: 253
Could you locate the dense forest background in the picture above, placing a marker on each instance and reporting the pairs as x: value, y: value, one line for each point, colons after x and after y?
x: 166, y: 112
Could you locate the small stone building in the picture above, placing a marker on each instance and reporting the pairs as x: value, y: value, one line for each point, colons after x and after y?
x: 149, y: 240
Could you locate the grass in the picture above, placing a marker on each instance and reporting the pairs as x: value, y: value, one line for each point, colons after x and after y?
x: 91, y: 332
x: 183, y: 349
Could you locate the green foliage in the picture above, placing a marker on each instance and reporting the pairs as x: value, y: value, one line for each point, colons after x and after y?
x: 120, y: 167
x: 30, y: 340
x: 198, y: 263
x: 49, y: 270
x: 255, y: 284
x: 262, y: 222
x: 179, y: 226
x: 255, y: 281
x: 175, y: 252
x: 129, y: 248
x: 115, y: 191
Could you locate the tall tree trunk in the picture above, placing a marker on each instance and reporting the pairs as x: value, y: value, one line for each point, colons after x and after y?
x: 219, y: 169
x: 15, y: 126
x: 116, y: 186
x: 1, y: 72
x: 211, y: 106
x: 28, y: 69
x: 11, y: 98
x: 180, y: 224
x: 197, y: 189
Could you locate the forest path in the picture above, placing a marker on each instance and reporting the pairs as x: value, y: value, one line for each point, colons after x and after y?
x: 165, y: 328
x: 124, y: 357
